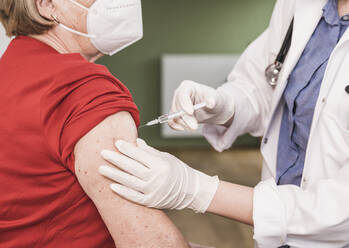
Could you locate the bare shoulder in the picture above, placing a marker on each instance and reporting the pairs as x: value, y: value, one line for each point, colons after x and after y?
x: 124, y: 220
x: 103, y: 136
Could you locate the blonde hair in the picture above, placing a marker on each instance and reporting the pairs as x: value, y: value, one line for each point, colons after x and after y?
x: 21, y: 17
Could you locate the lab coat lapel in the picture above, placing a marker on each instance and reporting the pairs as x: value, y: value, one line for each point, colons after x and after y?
x: 307, y: 15
x: 328, y: 80
x: 306, y: 18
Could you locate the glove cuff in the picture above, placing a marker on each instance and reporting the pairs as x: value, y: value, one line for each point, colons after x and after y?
x: 206, y: 188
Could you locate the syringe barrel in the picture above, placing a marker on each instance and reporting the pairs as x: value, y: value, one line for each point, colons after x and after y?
x: 166, y: 117
x: 163, y: 119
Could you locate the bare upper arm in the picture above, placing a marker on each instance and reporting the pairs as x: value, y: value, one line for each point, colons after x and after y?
x: 130, y: 225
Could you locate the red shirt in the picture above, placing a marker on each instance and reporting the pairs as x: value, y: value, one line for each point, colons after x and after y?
x: 48, y: 102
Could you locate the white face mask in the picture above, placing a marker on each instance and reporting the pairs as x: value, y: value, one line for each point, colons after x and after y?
x: 112, y: 25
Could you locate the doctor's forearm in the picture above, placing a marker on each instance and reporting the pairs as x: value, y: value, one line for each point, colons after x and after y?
x: 233, y: 201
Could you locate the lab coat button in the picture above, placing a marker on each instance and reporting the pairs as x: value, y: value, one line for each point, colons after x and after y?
x: 265, y: 141
x: 347, y: 89
x: 323, y: 100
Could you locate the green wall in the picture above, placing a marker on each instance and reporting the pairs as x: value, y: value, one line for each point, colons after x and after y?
x: 184, y: 26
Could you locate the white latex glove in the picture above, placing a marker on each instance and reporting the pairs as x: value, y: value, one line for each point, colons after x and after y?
x: 219, y: 106
x: 156, y: 179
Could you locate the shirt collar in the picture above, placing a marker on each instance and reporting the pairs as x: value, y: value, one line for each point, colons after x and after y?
x: 330, y: 12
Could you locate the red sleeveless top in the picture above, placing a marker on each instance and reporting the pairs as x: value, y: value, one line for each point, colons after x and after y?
x: 48, y: 102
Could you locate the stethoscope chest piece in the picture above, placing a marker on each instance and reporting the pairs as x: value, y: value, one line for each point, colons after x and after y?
x: 272, y: 73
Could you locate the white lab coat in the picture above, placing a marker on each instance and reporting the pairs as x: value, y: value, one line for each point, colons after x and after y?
x: 317, y: 213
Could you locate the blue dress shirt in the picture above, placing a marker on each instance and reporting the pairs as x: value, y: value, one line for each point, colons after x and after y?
x: 302, y: 92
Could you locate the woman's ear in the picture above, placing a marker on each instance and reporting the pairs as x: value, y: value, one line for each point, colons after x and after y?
x: 46, y: 8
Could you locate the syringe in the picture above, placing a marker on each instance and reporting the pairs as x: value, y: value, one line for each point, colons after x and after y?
x: 167, y: 117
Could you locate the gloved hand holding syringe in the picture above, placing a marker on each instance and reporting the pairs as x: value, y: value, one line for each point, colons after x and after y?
x: 167, y: 117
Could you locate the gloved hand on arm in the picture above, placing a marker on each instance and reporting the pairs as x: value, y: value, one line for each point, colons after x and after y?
x: 219, y: 106
x: 157, y: 179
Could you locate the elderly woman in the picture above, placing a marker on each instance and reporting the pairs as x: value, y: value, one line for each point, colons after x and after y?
x: 58, y: 111
x: 303, y: 115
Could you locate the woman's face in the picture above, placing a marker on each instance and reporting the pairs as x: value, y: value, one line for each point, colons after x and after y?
x: 72, y: 16
x: 75, y: 17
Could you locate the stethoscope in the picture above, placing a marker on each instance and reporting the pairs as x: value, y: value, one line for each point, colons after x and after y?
x: 272, y: 72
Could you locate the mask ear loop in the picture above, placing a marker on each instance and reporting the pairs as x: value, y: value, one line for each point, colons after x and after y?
x: 55, y: 20
x: 72, y: 30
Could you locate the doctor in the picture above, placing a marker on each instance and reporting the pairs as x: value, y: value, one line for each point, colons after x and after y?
x: 303, y: 116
